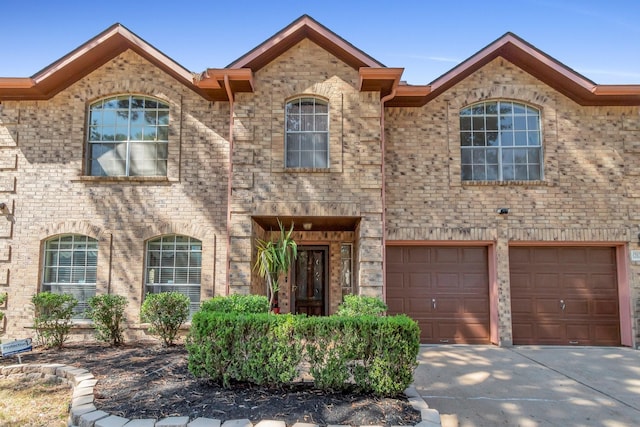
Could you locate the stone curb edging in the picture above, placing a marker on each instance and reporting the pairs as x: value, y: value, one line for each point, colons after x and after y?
x: 83, y: 413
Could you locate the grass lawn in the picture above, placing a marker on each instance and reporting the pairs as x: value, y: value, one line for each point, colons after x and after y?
x: 34, y: 402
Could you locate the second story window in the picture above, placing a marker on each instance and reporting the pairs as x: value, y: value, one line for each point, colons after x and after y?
x: 128, y: 136
x: 307, y: 133
x: 500, y: 141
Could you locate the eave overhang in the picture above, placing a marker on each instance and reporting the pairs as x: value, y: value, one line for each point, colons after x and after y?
x: 304, y: 27
x: 382, y: 80
x: 211, y: 82
x: 533, y: 61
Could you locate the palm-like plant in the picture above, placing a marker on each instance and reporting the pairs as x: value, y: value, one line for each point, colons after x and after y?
x: 274, y: 259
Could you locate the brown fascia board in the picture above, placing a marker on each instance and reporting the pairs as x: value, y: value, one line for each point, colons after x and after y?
x: 80, y: 62
x: 533, y: 61
x: 211, y: 82
x: 383, y: 80
x: 301, y: 28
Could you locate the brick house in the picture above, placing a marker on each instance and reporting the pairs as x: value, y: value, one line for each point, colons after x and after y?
x: 493, y: 205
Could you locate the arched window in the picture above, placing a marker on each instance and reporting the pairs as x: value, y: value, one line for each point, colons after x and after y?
x: 70, y: 265
x: 307, y: 133
x: 128, y: 136
x: 174, y: 265
x: 500, y: 141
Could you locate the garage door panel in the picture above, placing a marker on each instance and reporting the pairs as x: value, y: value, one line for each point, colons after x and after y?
x: 564, y: 295
x: 455, y: 277
x: 604, y: 307
x: 476, y: 306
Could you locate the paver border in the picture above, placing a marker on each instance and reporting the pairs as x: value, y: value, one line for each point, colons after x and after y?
x: 83, y: 413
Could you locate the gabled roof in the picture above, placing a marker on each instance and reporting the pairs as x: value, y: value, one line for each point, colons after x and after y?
x: 304, y: 27
x: 87, y: 58
x: 219, y: 84
x: 530, y: 59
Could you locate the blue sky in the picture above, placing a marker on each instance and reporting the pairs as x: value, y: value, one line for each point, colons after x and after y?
x: 598, y: 38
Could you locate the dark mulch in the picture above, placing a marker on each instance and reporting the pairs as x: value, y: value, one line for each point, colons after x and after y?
x: 146, y: 380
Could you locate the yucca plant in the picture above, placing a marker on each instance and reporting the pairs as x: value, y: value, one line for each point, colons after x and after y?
x: 274, y: 259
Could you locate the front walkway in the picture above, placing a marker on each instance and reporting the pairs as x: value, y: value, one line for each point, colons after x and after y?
x: 529, y: 386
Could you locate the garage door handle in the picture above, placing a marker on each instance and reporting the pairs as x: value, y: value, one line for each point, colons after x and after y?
x: 562, y: 304
x: 433, y: 303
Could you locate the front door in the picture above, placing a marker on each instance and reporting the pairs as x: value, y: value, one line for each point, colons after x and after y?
x: 310, y: 277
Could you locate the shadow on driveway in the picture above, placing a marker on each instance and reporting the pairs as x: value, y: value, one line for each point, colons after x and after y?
x: 529, y: 386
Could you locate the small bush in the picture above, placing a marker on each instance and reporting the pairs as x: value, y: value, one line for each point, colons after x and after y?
x: 166, y: 312
x: 107, y: 313
x: 52, y: 321
x: 257, y: 348
x: 358, y: 305
x: 239, y: 304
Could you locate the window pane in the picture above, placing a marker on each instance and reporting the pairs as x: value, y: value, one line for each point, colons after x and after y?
x: 479, y: 173
x: 492, y: 139
x: 466, y: 156
x: 507, y: 173
x: 507, y: 156
x: 492, y: 172
x: 534, y: 155
x: 521, y: 172
x: 506, y: 138
x: 518, y: 108
x: 465, y: 123
x: 478, y: 156
x: 520, y: 138
x: 293, y: 122
x: 465, y: 139
x: 478, y: 123
x: 534, y: 172
x: 478, y: 109
x: 306, y: 159
x: 520, y: 156
x: 322, y: 123
x: 466, y: 173
x: 492, y: 123
x: 320, y: 142
x: 520, y: 123
x: 306, y: 142
x: 479, y: 139
x: 491, y: 107
x: 293, y: 159
x: 320, y: 159
x: 506, y: 122
x: 322, y: 107
x: 492, y: 156
x: 533, y: 138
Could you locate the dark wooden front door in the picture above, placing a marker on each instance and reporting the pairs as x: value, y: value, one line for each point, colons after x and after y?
x: 310, y: 277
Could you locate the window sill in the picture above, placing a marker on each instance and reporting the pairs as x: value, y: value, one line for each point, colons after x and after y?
x: 538, y: 183
x: 307, y: 170
x: 125, y: 179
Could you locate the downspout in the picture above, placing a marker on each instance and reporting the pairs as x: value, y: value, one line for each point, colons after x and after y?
x: 384, y: 192
x: 227, y: 87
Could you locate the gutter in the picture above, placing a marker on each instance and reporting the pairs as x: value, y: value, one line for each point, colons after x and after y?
x: 227, y: 87
x: 383, y: 100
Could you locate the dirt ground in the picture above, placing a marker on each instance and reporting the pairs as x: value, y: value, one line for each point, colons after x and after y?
x: 146, y: 380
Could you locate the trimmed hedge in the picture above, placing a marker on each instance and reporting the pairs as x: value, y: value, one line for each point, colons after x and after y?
x: 240, y: 304
x: 373, y: 354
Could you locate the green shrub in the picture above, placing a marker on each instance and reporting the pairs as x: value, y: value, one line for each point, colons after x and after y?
x: 107, y: 313
x: 166, y: 312
x: 257, y: 348
x: 371, y: 353
x: 358, y: 305
x: 239, y: 304
x: 53, y: 316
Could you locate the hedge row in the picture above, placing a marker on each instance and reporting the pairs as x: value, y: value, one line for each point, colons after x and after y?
x: 373, y: 354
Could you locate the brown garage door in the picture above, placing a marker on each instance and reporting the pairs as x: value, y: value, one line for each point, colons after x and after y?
x: 564, y: 295
x: 445, y: 289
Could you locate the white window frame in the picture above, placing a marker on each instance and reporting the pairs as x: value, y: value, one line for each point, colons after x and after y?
x: 161, y: 269
x: 63, y: 277
x: 317, y: 130
x: 506, y: 143
x: 108, y: 132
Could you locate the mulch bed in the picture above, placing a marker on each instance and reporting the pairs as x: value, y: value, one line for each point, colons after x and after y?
x: 146, y: 380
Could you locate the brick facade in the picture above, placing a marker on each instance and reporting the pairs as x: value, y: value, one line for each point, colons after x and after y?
x: 587, y: 195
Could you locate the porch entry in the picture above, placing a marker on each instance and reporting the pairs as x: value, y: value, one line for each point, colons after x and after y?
x: 310, y: 276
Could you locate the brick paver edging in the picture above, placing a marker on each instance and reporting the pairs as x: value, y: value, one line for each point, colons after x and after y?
x: 83, y: 412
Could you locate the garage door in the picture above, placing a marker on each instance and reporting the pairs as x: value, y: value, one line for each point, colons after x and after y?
x: 445, y: 289
x: 564, y: 295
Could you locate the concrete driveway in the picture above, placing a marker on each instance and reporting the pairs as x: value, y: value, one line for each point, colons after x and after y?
x: 475, y: 386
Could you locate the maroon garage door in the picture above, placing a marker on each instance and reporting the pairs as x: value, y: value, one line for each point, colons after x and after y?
x: 564, y: 295
x: 445, y: 289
